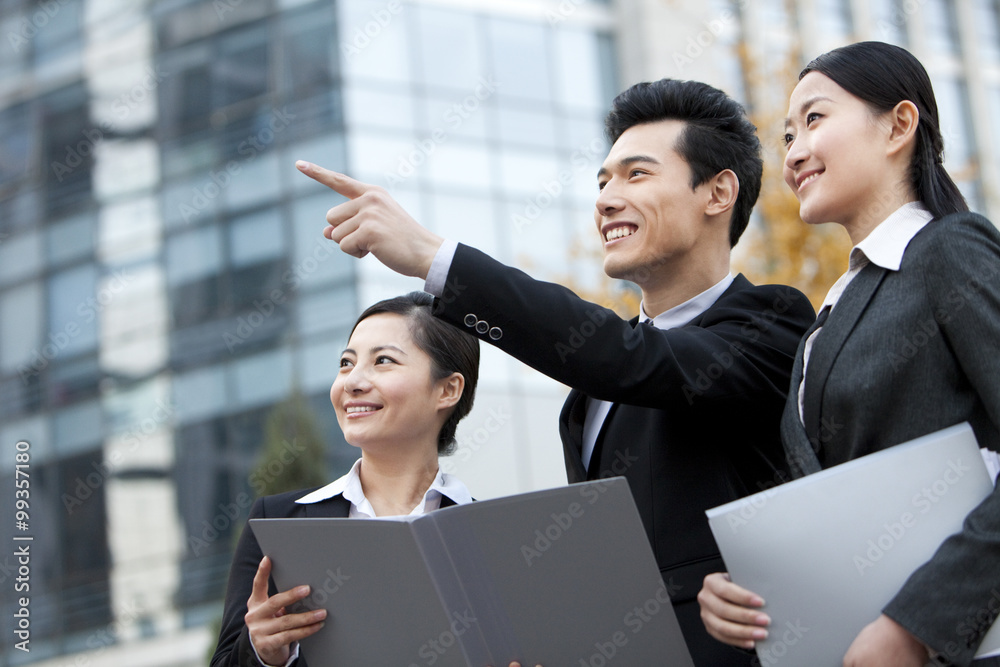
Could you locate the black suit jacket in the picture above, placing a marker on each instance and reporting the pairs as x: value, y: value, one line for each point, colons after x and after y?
x: 906, y: 353
x: 697, y: 410
x: 234, y: 648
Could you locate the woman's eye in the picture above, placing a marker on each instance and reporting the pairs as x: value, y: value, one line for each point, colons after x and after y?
x: 811, y: 116
x: 788, y: 140
x: 346, y: 363
x: 382, y: 359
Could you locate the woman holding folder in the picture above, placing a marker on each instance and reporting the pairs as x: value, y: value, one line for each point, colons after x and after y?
x: 406, y: 379
x: 906, y: 342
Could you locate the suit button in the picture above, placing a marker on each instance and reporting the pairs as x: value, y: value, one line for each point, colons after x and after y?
x: 496, y: 333
x: 482, y: 326
x: 470, y: 320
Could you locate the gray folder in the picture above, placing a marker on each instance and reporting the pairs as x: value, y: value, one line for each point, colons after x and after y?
x: 563, y: 577
x: 827, y: 552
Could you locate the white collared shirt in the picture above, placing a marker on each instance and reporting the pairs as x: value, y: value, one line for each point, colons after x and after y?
x: 884, y: 247
x: 679, y: 315
x: 350, y: 486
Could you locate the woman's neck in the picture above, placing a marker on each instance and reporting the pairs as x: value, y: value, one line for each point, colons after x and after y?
x: 395, y: 484
x: 873, y: 213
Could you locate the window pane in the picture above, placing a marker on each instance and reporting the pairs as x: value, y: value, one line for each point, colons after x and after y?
x: 21, y: 330
x: 73, y: 309
x: 20, y: 256
x: 578, y: 70
x: 264, y: 378
x: 374, y: 43
x: 942, y: 26
x: 194, y: 255
x: 449, y: 47
x: 988, y: 23
x: 255, y: 238
x: 200, y: 393
x: 520, y: 59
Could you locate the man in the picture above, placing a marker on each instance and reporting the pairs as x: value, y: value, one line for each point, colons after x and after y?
x: 686, y: 402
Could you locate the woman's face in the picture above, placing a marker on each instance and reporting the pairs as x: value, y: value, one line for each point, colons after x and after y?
x: 836, y: 162
x: 385, y: 394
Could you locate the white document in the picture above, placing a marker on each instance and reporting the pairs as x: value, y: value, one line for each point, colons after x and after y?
x: 827, y: 552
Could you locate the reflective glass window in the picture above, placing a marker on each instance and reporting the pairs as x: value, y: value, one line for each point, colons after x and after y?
x: 77, y: 427
x: 199, y: 394
x: 941, y: 25
x: 374, y: 42
x: 988, y: 24
x: 315, y: 259
x: 520, y: 59
x: 263, y: 378
x: 449, y: 47
x: 70, y: 239
x: 240, y: 70
x: 526, y: 127
x: 194, y: 254
x: 578, y: 70
x: 256, y: 237
x: 73, y: 309
x: 20, y: 256
x: 327, y: 310
x: 21, y: 330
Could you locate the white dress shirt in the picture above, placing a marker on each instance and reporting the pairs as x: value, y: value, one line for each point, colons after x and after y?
x: 884, y: 247
x: 350, y: 486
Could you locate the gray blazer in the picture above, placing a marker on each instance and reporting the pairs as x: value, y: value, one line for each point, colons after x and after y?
x: 903, y: 354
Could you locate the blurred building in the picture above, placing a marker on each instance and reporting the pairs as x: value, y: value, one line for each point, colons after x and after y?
x: 164, y: 281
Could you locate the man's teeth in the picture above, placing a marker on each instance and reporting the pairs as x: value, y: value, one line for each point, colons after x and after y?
x: 619, y: 232
x: 361, y: 408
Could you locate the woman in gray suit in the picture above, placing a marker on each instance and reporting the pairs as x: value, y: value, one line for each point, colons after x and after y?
x: 905, y: 343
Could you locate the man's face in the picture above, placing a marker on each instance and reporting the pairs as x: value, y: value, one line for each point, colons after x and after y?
x: 649, y: 218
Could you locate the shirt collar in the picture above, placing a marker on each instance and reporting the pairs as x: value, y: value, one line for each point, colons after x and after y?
x: 350, y: 486
x: 885, y: 245
x: 685, y: 312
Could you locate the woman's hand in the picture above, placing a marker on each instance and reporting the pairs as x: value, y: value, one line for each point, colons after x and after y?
x: 885, y: 642
x: 272, y: 630
x: 729, y: 612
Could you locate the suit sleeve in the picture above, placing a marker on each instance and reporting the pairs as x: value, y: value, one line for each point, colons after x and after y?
x: 951, y: 601
x: 744, y: 344
x: 234, y: 648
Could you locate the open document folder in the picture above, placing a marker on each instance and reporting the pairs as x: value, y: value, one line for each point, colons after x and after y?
x: 563, y: 577
x: 827, y: 552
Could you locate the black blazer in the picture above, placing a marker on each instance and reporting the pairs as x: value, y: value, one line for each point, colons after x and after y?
x: 697, y: 411
x: 906, y: 353
x: 234, y: 648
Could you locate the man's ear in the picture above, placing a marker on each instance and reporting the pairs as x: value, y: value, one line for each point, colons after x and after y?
x: 723, y: 189
x: 903, y: 119
x: 451, y: 390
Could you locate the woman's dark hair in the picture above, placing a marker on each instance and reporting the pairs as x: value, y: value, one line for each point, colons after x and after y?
x: 883, y: 75
x: 450, y: 350
x: 717, y: 135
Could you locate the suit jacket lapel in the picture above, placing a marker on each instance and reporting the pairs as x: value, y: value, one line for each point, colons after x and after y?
x: 802, y: 460
x: 336, y: 507
x: 571, y: 431
x: 830, y: 341
x: 594, y: 469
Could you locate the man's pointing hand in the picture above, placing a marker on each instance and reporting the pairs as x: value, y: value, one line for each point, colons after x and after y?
x: 371, y: 221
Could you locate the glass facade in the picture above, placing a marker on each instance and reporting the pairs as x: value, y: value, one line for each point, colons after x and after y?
x: 163, y: 277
